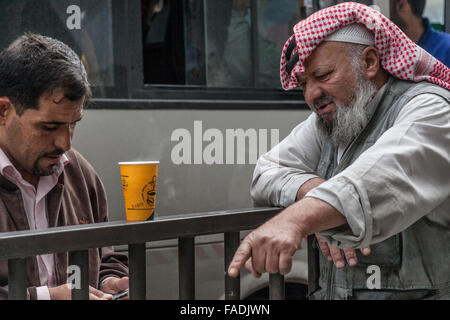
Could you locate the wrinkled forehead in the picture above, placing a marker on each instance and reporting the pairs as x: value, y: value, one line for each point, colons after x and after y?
x: 326, y: 55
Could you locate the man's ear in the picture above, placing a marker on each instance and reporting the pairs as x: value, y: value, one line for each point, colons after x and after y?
x: 371, y: 67
x: 6, y: 107
x: 370, y: 62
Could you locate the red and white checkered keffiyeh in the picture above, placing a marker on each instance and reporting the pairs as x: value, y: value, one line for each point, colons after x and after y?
x: 399, y: 55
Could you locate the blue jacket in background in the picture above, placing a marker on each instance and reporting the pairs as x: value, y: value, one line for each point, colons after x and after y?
x: 436, y: 43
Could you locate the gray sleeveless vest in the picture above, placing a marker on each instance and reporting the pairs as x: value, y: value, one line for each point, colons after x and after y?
x: 414, y: 264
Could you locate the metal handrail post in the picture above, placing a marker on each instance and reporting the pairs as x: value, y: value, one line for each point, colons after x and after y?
x: 80, y: 289
x: 137, y: 273
x: 186, y: 268
x: 17, y: 279
x: 276, y: 286
x: 232, y: 285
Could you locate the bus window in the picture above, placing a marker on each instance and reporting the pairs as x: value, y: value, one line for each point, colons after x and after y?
x: 226, y: 43
x: 85, y: 26
x: 434, y: 11
x: 163, y: 41
x: 233, y: 60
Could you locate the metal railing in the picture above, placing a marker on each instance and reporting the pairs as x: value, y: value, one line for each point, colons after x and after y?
x: 17, y: 246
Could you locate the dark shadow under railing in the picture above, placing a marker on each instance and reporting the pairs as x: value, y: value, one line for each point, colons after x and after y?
x: 16, y: 246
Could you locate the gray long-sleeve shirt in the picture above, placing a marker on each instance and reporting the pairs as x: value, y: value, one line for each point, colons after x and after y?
x: 402, y: 177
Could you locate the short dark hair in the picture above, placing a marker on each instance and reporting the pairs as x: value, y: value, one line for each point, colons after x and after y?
x: 34, y: 65
x: 417, y: 6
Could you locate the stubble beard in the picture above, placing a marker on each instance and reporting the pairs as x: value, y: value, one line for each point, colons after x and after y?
x: 38, y: 171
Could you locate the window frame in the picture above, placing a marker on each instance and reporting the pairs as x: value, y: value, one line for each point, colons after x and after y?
x: 129, y: 79
x: 447, y: 16
x: 130, y: 91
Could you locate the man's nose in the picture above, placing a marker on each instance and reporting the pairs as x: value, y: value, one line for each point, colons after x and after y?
x: 312, y: 93
x: 63, y: 140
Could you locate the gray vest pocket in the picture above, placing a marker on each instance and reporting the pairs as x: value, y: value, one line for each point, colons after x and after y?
x: 384, y: 254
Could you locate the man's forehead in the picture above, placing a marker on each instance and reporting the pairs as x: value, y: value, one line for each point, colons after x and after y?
x: 57, y: 113
x: 56, y: 107
x: 55, y: 95
x: 326, y: 55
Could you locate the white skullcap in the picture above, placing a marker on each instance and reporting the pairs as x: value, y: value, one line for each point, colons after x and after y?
x: 353, y: 33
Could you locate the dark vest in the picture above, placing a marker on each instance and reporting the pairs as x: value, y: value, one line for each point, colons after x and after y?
x: 414, y: 264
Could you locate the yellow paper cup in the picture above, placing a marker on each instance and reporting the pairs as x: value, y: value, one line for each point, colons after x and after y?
x: 139, y: 188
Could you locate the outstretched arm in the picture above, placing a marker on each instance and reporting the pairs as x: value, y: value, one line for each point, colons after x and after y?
x: 272, y: 245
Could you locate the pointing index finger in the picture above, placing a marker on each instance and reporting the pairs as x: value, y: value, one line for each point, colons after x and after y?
x: 243, y: 253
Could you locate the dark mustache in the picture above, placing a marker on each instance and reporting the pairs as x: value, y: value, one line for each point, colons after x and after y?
x: 321, y: 100
x: 54, y: 153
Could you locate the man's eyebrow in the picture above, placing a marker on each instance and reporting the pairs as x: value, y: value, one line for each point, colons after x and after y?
x: 58, y: 122
x: 315, y: 72
x: 322, y: 69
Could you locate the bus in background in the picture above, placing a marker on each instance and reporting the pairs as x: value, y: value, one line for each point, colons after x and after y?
x: 195, y: 85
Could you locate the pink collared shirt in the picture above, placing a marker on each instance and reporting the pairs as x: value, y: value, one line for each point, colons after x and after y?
x: 36, y: 211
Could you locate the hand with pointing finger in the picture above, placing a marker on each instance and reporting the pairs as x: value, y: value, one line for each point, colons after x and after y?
x: 269, y: 248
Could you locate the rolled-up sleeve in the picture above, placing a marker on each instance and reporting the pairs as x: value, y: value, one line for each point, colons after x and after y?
x: 404, y: 176
x: 280, y: 172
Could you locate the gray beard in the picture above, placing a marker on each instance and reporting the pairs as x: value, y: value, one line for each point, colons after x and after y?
x: 348, y: 120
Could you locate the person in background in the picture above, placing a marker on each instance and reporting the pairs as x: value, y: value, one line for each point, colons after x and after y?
x: 407, y: 15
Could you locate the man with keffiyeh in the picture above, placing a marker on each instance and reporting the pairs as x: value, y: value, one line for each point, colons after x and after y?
x: 369, y: 169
